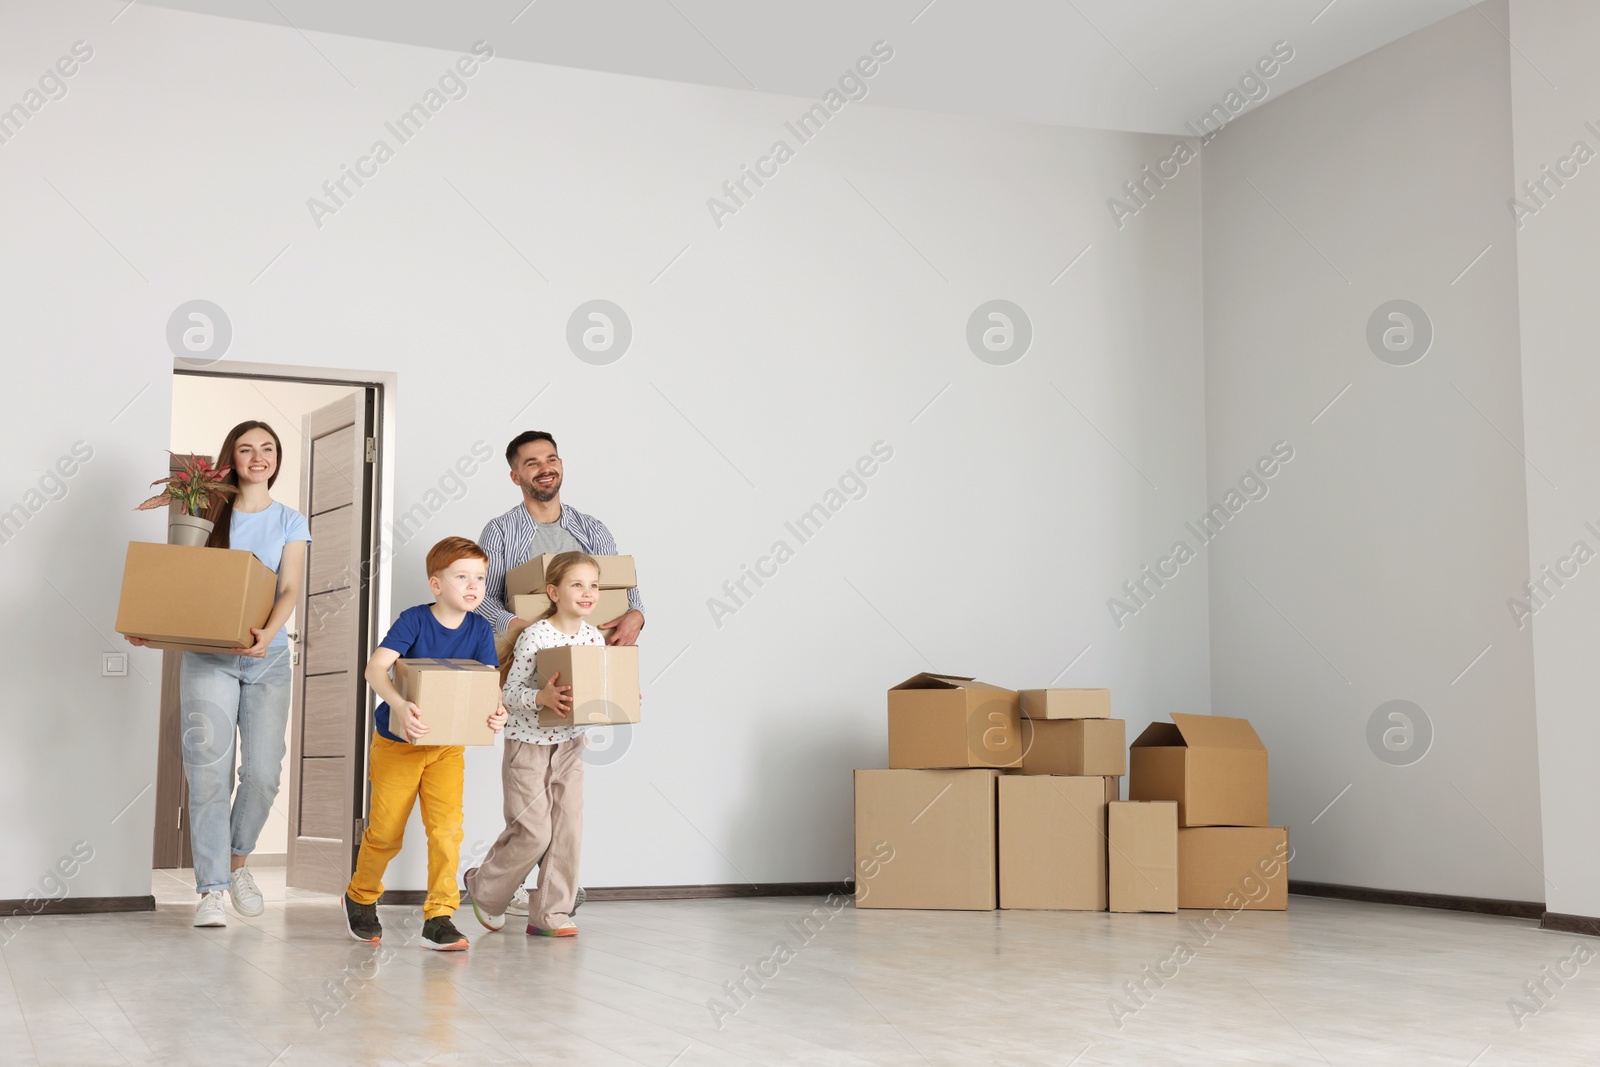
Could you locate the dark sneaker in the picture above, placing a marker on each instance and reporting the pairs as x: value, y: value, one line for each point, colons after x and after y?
x: 362, y: 919
x: 441, y: 935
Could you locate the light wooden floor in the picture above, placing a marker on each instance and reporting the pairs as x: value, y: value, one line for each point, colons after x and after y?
x: 1329, y: 982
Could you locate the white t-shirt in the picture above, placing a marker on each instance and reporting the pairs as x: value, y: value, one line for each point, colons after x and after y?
x: 522, y: 687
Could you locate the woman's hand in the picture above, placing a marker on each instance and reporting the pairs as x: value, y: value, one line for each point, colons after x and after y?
x: 259, y: 649
x: 556, y: 698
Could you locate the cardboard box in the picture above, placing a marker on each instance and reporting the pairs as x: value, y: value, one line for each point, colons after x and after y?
x: 1075, y: 747
x: 1239, y: 868
x: 938, y: 720
x: 1113, y: 789
x: 1214, y: 767
x: 1053, y: 842
x: 456, y: 697
x: 611, y: 604
x: 194, y: 599
x: 616, y: 572
x: 1065, y: 703
x: 925, y: 839
x: 604, y: 680
x: 1142, y: 867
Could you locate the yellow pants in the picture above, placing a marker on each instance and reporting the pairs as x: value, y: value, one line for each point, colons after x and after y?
x: 401, y: 774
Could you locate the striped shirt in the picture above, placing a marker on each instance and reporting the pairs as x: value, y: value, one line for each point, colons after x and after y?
x: 508, y: 540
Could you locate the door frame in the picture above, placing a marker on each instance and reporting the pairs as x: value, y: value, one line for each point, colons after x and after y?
x: 384, y: 387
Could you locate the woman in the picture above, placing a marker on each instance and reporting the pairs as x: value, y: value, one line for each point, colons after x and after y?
x: 245, y: 690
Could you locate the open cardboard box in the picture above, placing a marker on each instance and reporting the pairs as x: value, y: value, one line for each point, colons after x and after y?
x: 181, y: 597
x: 946, y: 721
x: 456, y: 698
x: 1213, y: 766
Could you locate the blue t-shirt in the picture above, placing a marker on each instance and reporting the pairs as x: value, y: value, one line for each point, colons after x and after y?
x: 265, y: 533
x: 416, y: 634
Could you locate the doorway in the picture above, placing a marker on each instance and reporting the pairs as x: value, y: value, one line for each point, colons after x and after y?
x: 333, y: 426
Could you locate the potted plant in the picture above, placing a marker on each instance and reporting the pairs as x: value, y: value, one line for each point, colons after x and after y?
x: 193, y: 488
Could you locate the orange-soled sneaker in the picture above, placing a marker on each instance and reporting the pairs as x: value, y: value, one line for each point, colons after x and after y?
x: 441, y: 935
x: 566, y: 929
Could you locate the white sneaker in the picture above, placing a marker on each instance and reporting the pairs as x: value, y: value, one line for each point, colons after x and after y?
x: 210, y: 912
x: 519, y: 902
x: 245, y: 895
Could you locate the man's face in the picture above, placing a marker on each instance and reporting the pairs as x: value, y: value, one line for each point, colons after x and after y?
x: 538, y: 471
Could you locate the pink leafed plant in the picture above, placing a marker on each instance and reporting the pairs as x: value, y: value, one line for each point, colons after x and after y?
x: 193, y: 487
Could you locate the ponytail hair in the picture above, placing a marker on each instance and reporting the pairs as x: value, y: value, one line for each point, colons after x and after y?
x: 221, y: 511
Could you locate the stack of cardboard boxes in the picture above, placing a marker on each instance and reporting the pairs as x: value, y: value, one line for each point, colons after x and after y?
x: 995, y: 798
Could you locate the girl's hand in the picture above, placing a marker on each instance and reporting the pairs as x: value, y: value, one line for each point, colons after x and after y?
x: 497, y: 721
x: 556, y: 698
x: 259, y: 649
x: 411, y: 725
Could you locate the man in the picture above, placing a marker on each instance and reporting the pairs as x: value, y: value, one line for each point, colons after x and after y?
x: 540, y: 524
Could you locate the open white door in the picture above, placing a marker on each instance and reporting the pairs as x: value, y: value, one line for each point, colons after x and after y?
x: 328, y: 731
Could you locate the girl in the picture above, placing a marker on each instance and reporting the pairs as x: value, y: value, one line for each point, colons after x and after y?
x: 542, y: 769
x: 245, y: 690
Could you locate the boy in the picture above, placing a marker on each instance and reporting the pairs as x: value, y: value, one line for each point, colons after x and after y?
x: 403, y: 773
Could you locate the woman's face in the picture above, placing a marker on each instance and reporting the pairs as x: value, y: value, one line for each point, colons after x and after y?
x: 255, y: 457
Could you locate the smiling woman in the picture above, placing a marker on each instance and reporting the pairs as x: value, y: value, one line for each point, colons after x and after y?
x: 244, y: 692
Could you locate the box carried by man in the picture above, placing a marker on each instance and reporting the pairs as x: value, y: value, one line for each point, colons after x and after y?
x: 616, y: 572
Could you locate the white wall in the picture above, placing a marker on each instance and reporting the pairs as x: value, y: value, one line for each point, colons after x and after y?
x: 204, y: 409
x: 1555, y: 91
x: 766, y: 359
x: 1379, y: 566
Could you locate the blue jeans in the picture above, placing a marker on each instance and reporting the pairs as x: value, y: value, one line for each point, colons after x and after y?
x: 221, y: 694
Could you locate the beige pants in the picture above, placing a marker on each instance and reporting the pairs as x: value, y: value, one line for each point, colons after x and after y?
x: 543, y: 786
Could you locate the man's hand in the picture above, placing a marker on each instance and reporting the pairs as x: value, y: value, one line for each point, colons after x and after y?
x: 516, y: 625
x: 556, y: 698
x: 411, y: 725
x: 627, y: 629
x: 497, y: 721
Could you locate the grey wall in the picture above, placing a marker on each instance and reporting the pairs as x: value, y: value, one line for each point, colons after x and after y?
x: 829, y: 313
x: 1556, y: 102
x: 1379, y: 566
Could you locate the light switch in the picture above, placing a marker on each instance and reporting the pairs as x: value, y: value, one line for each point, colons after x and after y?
x: 113, y: 664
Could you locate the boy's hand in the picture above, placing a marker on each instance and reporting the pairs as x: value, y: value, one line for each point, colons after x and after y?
x: 497, y: 721
x: 556, y: 698
x: 412, y: 727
